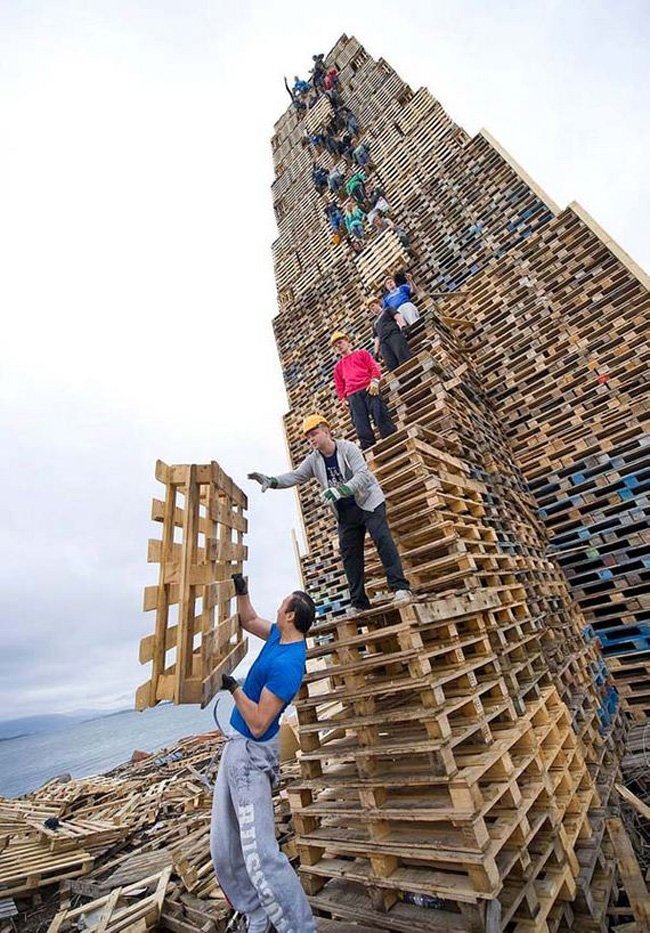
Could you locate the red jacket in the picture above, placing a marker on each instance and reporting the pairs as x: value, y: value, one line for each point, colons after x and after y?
x: 355, y: 372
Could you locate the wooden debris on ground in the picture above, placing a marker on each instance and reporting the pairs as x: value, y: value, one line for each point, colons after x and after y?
x: 131, y: 850
x: 634, y: 792
x: 630, y: 874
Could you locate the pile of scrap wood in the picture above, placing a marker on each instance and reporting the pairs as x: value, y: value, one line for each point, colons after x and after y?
x: 634, y: 793
x: 128, y: 850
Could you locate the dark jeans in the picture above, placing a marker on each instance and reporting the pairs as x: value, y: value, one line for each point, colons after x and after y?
x: 363, y: 407
x: 394, y: 350
x: 353, y: 524
x: 358, y: 194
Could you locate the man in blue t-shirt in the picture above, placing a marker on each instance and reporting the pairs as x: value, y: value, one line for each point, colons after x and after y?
x: 398, y: 298
x: 254, y: 874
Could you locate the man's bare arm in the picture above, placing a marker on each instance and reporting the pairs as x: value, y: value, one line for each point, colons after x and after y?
x: 249, y: 619
x: 258, y: 716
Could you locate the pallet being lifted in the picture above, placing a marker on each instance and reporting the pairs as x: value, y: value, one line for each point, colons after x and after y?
x: 193, y: 599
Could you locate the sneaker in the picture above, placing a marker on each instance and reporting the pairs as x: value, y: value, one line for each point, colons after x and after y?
x: 355, y: 610
x: 401, y: 596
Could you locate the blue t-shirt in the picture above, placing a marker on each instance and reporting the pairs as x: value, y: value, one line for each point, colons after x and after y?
x: 397, y: 297
x: 279, y: 668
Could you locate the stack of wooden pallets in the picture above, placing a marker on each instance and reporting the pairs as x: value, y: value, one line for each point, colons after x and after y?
x: 463, y: 748
x: 558, y: 343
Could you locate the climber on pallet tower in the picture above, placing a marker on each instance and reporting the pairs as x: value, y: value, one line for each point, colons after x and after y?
x: 319, y: 176
x: 318, y: 72
x: 355, y: 187
x: 256, y: 877
x: 356, y: 377
x: 387, y: 327
x: 397, y: 297
x: 336, y: 220
x: 354, y: 220
x: 355, y: 497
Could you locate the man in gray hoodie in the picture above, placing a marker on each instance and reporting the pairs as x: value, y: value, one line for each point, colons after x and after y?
x: 356, y: 498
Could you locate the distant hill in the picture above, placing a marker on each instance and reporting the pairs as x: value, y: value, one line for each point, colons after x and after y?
x: 51, y: 722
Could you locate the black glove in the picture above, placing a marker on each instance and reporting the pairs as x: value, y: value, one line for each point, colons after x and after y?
x: 229, y: 683
x: 241, y: 584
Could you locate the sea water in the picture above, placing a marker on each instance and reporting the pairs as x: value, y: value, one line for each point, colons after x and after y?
x: 95, y: 746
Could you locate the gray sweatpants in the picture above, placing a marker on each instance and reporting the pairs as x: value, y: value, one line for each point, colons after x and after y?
x: 254, y: 874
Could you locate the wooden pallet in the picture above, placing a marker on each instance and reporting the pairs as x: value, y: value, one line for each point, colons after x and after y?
x: 27, y: 863
x: 117, y: 912
x: 72, y: 833
x: 194, y: 594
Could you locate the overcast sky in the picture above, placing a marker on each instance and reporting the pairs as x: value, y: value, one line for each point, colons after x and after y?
x: 136, y: 280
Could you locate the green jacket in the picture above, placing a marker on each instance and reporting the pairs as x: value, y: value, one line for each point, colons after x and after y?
x: 355, y: 181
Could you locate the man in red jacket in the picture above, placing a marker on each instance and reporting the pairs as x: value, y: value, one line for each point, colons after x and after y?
x: 356, y: 377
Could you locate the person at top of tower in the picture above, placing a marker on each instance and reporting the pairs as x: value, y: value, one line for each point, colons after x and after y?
x: 295, y: 99
x: 398, y: 298
x: 355, y: 497
x: 355, y: 187
x: 387, y: 327
x: 256, y: 877
x: 300, y: 87
x: 331, y: 79
x: 318, y: 71
x: 356, y: 379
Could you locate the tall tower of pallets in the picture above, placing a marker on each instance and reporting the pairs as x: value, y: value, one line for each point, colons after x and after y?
x: 462, y: 747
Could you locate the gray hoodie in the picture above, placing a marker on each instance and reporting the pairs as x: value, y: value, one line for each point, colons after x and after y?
x: 354, y: 470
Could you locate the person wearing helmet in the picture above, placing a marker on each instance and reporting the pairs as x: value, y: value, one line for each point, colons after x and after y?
x: 355, y: 497
x: 256, y: 877
x: 356, y: 378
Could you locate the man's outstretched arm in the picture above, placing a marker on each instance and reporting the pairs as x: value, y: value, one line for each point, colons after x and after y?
x: 301, y: 474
